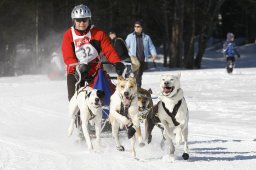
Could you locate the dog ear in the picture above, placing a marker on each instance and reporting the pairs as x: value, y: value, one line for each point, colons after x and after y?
x: 100, y: 94
x: 88, y: 94
x: 132, y: 78
x: 119, y: 78
x: 150, y: 91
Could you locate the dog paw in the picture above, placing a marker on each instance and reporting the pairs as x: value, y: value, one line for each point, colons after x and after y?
x: 168, y: 158
x: 79, y: 142
x: 81, y: 135
x: 185, y: 156
x: 142, y: 144
x: 171, y: 158
x: 149, y: 139
x: 90, y: 148
x: 134, y: 154
x: 120, y: 148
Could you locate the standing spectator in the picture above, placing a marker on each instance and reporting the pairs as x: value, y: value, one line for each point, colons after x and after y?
x: 122, y: 50
x: 119, y: 45
x: 140, y: 48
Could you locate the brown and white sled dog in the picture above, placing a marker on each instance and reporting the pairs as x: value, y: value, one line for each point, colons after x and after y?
x: 124, y: 111
x: 148, y: 113
x: 173, y: 113
x: 145, y: 104
x: 89, y: 102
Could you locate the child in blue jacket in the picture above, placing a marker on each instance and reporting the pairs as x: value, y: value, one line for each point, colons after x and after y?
x: 229, y: 48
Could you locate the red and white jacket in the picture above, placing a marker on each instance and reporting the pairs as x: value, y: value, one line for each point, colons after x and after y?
x: 86, y: 47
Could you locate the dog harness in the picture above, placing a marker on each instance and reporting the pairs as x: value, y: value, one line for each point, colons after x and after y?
x: 124, y: 109
x: 92, y: 116
x: 174, y: 112
x: 83, y: 90
x: 78, y: 121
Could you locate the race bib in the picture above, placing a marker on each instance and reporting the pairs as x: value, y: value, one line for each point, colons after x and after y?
x: 86, y: 53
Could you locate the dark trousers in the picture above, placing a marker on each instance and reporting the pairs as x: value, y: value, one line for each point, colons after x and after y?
x: 71, y: 84
x: 72, y: 80
x: 143, y: 67
x: 231, y: 58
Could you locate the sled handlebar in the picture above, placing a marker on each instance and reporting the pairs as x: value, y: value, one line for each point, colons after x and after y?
x: 126, y: 63
x: 107, y: 62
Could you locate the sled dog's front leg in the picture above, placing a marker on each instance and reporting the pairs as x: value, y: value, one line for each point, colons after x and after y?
x: 98, y: 128
x: 73, y: 111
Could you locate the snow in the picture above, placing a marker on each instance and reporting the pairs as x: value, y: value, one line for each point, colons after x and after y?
x: 34, y: 122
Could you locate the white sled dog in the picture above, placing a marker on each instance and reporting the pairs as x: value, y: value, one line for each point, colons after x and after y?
x: 89, y: 102
x: 124, y: 111
x: 173, y: 113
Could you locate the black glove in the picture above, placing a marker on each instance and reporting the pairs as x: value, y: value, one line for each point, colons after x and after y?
x: 82, y: 69
x: 119, y: 68
x: 131, y: 131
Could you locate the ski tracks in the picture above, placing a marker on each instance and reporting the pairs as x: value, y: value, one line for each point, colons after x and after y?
x: 18, y: 157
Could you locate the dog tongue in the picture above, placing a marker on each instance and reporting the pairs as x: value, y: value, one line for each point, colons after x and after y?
x: 126, y: 102
x: 166, y: 90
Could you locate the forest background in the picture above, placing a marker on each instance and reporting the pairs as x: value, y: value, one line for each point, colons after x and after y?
x: 180, y: 29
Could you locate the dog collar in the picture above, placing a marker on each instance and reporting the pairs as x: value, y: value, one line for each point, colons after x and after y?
x: 124, y: 108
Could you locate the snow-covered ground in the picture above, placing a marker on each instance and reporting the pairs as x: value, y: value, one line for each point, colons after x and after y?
x: 222, y: 128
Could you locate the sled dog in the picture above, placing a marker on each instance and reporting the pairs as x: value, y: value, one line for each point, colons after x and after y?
x: 89, y: 102
x: 173, y: 113
x: 124, y: 111
x: 147, y: 113
x: 145, y: 104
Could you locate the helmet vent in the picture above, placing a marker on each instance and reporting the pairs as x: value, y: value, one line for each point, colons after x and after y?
x: 81, y: 11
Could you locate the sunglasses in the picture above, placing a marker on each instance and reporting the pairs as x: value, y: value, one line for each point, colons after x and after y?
x: 81, y: 19
x: 137, y: 26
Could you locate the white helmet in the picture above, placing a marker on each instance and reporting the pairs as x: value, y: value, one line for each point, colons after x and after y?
x: 81, y: 11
